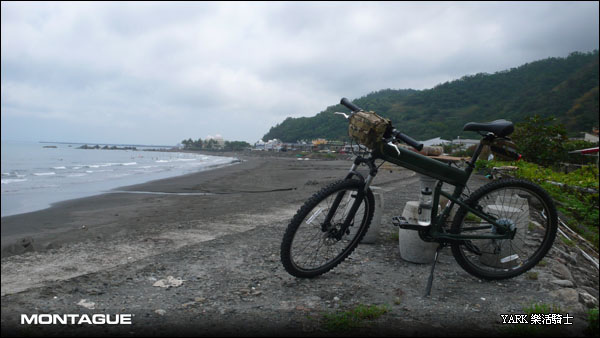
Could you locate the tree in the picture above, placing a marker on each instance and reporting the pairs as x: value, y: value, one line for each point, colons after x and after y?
x: 236, y: 145
x: 198, y: 143
x: 210, y: 144
x: 191, y: 144
x: 187, y: 144
x: 541, y: 140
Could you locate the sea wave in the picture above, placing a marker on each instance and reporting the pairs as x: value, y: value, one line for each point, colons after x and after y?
x: 13, y: 180
x: 13, y: 174
x: 45, y: 174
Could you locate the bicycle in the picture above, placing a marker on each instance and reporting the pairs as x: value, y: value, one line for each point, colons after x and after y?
x: 500, y: 231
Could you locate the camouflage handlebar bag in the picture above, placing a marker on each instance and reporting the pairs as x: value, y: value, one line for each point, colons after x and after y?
x: 368, y: 128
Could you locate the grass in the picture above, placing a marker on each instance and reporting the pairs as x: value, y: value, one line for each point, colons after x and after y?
x: 322, y: 156
x: 394, y: 236
x: 592, y: 329
x: 354, y: 318
x: 567, y: 242
x: 472, y: 218
x: 541, y: 308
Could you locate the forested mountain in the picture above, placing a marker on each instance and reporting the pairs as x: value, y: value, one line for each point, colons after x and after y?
x: 566, y: 88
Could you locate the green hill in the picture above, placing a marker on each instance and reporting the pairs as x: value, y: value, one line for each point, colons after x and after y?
x: 566, y: 88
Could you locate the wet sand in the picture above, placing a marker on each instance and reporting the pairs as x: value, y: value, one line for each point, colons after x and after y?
x: 255, y: 185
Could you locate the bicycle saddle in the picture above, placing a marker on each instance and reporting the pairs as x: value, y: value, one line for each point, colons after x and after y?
x: 499, y: 127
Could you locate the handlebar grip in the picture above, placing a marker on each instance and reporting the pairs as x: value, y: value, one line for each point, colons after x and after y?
x: 350, y: 105
x: 410, y: 141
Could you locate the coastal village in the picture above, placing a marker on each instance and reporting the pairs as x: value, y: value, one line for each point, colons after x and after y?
x: 335, y: 146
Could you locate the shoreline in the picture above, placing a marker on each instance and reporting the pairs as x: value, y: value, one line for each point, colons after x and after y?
x: 97, y: 233
x: 133, y: 208
x: 110, y: 185
x: 14, y: 237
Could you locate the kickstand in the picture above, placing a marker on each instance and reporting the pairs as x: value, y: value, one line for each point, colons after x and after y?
x: 430, y: 280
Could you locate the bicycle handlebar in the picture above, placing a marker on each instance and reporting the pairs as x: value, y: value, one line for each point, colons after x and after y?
x: 403, y: 137
x: 409, y: 140
x: 350, y: 105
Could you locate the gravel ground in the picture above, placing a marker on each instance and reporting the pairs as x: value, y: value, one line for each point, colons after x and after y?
x: 228, y: 280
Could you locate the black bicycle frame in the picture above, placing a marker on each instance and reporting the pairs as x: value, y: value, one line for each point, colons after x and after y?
x: 429, y: 167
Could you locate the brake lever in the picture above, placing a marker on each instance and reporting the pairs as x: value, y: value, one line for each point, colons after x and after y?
x: 344, y: 114
x: 395, y: 146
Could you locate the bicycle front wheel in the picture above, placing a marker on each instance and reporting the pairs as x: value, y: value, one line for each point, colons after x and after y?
x: 522, y: 207
x: 314, y: 241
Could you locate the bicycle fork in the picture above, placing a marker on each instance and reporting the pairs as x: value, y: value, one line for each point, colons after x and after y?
x: 357, y: 199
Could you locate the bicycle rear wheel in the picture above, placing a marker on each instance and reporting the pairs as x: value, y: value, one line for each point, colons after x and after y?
x: 312, y: 245
x: 520, y: 205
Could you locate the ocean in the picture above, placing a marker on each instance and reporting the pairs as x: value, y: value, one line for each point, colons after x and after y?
x: 35, y: 175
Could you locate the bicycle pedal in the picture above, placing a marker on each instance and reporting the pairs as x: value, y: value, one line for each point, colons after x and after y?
x: 399, y: 221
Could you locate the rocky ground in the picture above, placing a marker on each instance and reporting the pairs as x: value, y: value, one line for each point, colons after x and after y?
x: 221, y: 275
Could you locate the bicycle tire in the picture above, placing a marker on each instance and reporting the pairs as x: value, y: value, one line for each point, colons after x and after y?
x: 289, y: 250
x: 528, y: 203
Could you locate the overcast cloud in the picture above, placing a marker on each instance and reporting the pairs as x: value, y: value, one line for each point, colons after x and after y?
x: 156, y: 73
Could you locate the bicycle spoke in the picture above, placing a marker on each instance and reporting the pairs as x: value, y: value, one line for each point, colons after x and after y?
x: 515, y: 209
x: 315, y: 243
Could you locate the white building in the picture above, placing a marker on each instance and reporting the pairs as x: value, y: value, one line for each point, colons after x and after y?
x: 217, y: 138
x: 590, y: 137
x: 435, y: 142
x: 465, y: 142
x: 273, y: 145
x: 259, y: 145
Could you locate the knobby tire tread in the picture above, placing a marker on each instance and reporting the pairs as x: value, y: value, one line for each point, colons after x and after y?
x: 301, y: 214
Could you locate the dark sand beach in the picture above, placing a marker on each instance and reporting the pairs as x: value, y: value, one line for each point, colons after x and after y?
x: 143, y: 207
x: 218, y: 232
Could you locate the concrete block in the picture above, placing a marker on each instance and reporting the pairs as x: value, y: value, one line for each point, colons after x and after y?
x: 412, y: 248
x: 373, y: 232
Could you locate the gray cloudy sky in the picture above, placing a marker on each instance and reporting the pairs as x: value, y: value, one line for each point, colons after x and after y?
x: 156, y: 73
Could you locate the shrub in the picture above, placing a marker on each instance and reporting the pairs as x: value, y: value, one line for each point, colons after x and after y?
x: 540, y: 141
